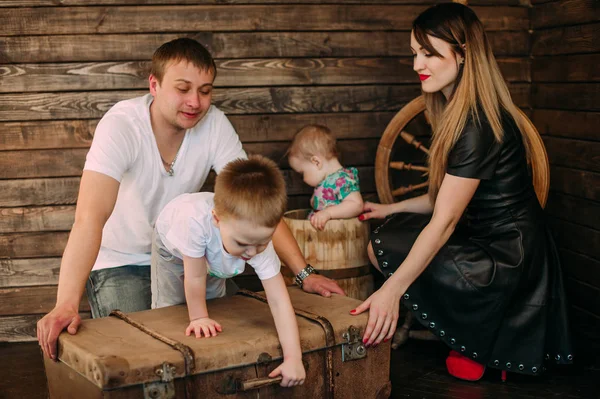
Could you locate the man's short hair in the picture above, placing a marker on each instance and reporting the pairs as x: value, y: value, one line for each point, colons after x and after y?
x: 313, y: 140
x: 182, y: 49
x: 252, y: 189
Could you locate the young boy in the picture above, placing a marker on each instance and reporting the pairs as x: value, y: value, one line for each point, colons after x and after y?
x: 210, y: 237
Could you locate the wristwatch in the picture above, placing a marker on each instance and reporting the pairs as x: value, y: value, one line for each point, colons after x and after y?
x: 304, y: 273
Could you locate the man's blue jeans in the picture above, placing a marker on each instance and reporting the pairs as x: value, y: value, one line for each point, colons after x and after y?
x: 126, y: 288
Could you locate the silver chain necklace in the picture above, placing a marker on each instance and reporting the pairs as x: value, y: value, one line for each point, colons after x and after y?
x: 171, y: 171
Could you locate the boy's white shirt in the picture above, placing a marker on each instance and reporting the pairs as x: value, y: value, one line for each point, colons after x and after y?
x: 185, y: 227
x: 124, y: 148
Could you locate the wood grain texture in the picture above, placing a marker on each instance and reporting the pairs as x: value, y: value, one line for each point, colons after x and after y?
x: 70, y: 162
x: 29, y: 272
x: 580, y: 183
x: 32, y: 300
x: 581, y: 267
x: 566, y: 68
x: 210, y: 18
x: 32, y: 245
x: 565, y: 12
x: 63, y: 3
x: 47, y: 218
x: 572, y: 124
x: 575, y: 237
x: 76, y: 105
x: 577, y: 154
x: 574, y: 209
x: 566, y: 96
x: 232, y: 73
x: 566, y: 40
x: 128, y: 47
x: 250, y: 128
x: 27, y: 192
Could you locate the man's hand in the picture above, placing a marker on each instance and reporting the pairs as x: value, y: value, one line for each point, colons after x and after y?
x: 317, y: 284
x: 51, y: 325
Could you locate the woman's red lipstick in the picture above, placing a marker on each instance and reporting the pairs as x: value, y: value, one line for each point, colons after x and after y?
x: 424, y: 77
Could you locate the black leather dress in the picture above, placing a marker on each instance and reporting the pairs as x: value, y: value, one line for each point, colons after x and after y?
x: 494, y: 292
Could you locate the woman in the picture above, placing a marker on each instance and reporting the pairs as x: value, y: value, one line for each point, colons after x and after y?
x: 473, y: 258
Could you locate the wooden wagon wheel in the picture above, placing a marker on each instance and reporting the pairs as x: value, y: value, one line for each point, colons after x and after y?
x: 383, y: 163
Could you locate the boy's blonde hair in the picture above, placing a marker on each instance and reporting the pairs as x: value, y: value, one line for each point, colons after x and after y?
x: 252, y: 189
x: 313, y: 140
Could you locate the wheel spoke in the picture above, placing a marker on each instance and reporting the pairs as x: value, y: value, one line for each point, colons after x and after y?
x: 410, y: 139
x: 407, y: 189
x: 407, y: 166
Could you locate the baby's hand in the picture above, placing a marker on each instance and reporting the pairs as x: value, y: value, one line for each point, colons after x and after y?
x: 203, y: 325
x: 320, y: 219
x: 292, y: 371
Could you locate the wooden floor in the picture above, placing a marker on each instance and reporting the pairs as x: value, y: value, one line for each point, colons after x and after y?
x: 417, y: 371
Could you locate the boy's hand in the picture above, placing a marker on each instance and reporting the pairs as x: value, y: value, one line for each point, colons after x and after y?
x: 203, y: 325
x: 292, y: 371
x: 320, y: 219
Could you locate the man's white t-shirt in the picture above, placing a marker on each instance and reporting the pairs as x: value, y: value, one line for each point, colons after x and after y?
x: 185, y: 227
x: 125, y: 149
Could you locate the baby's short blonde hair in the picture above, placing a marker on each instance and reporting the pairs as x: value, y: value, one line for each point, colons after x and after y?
x: 252, y: 189
x: 313, y: 140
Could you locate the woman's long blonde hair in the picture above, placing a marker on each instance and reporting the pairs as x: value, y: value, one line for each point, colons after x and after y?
x: 479, y: 86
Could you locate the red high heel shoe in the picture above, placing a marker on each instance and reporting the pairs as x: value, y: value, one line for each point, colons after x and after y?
x: 464, y: 368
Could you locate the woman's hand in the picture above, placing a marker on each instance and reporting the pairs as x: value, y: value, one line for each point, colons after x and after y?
x: 203, y: 325
x: 383, y: 315
x: 375, y: 211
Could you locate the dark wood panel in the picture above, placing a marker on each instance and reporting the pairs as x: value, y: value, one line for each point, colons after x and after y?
x: 566, y: 40
x: 581, y: 267
x: 22, y: 328
x: 581, y: 183
x: 47, y: 3
x: 32, y: 300
x: 27, y: 192
x: 70, y: 162
x: 33, y: 245
x: 572, y: 124
x: 250, y: 128
x: 575, y: 237
x: 46, y: 134
x: 42, y: 163
x: 576, y: 154
x: 566, y: 68
x: 29, y: 272
x: 583, y: 295
x: 128, y: 47
x: 129, y: 19
x: 574, y: 209
x: 567, y: 96
x: 565, y: 12
x: 48, y: 218
x: 232, y: 73
x: 71, y: 105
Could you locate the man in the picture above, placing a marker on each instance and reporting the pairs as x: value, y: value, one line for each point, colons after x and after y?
x: 145, y: 152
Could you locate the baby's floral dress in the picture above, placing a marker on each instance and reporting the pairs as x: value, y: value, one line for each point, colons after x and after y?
x: 334, y: 188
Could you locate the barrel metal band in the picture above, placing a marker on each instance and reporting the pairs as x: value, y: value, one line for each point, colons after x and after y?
x: 187, y: 353
x: 327, y: 328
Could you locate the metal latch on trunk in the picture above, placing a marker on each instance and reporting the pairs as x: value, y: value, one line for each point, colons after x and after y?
x: 165, y: 388
x: 353, y: 348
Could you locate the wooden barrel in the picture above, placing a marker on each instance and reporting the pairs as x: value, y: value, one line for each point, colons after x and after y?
x: 338, y: 252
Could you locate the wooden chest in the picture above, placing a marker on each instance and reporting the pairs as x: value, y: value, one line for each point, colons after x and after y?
x: 147, y: 355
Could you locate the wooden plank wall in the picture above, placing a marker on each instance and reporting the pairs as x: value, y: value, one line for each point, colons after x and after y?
x: 566, y: 110
x: 63, y: 64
